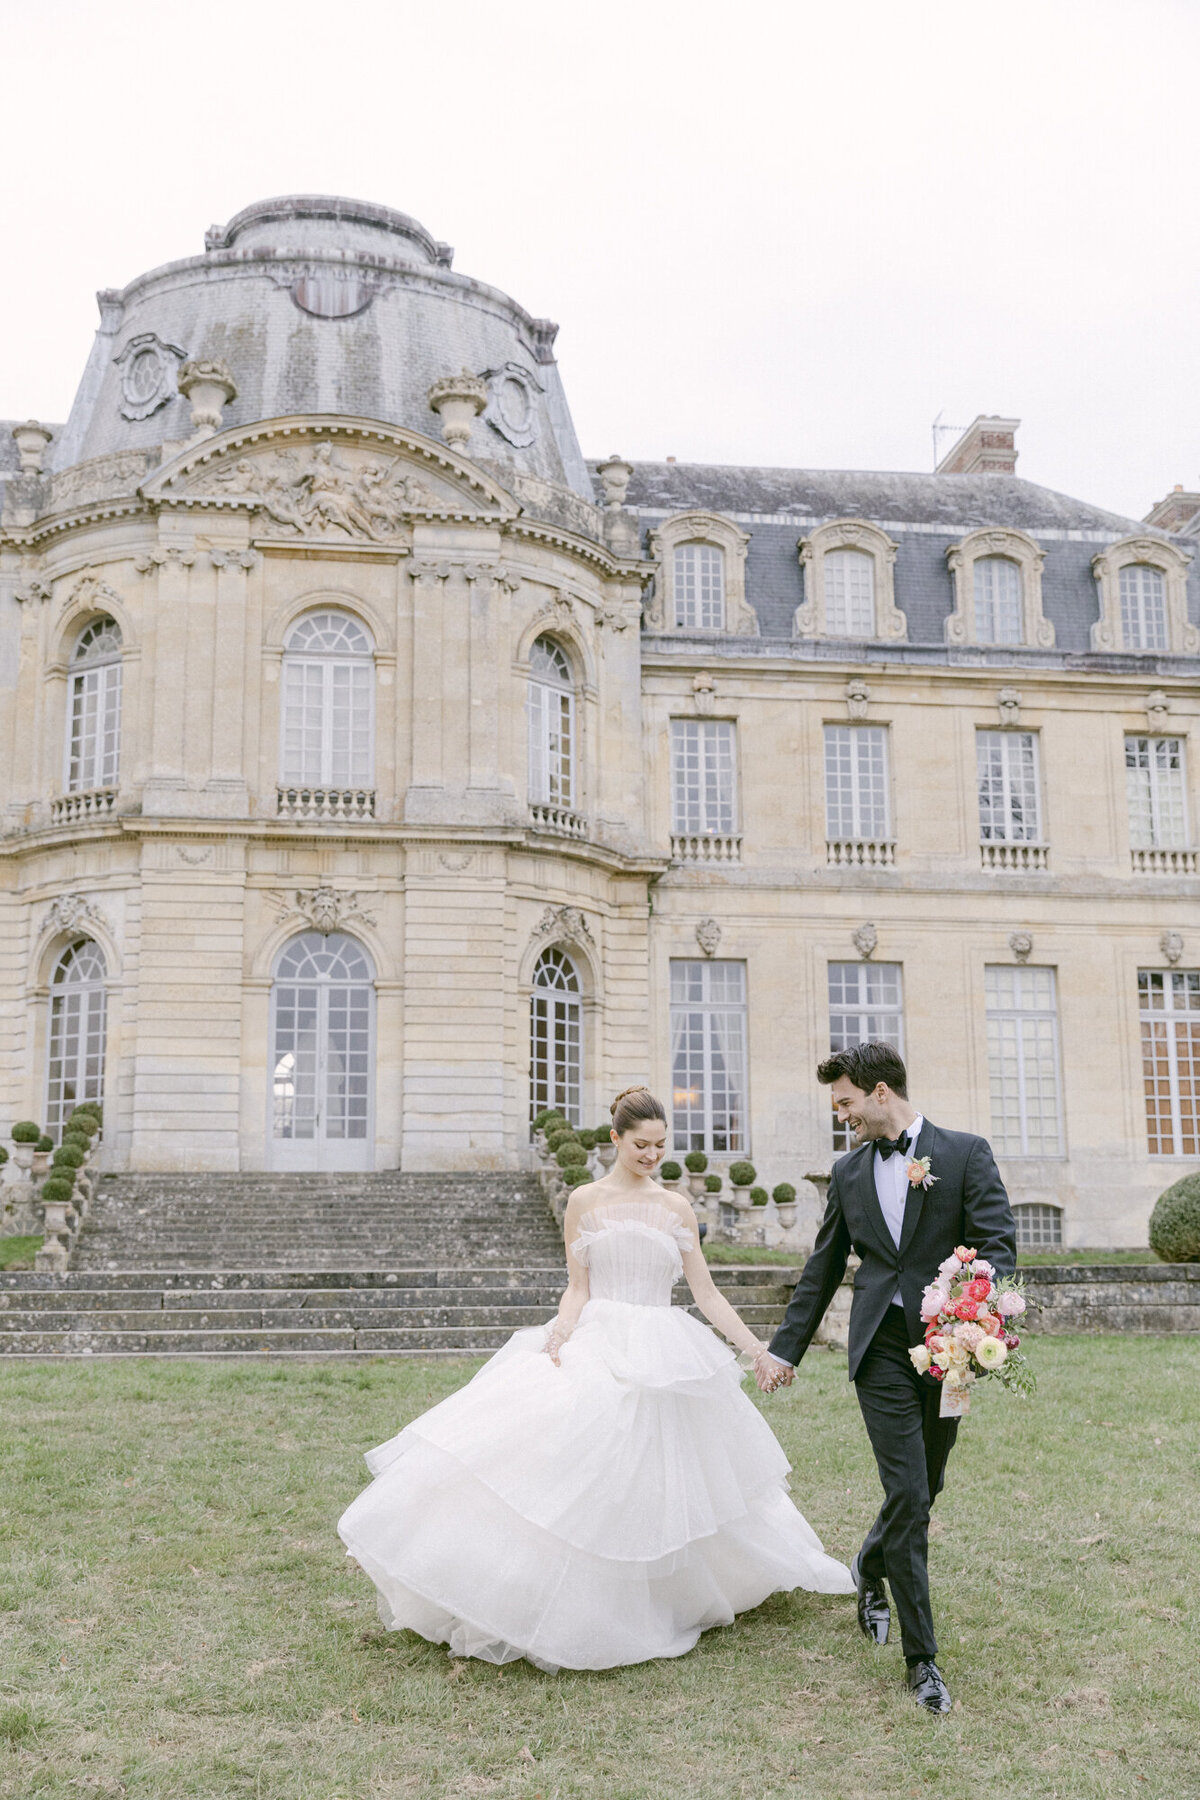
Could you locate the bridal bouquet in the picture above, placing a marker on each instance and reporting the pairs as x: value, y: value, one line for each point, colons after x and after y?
x: 969, y: 1331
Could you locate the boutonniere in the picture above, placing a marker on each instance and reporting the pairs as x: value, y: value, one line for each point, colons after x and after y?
x: 919, y: 1173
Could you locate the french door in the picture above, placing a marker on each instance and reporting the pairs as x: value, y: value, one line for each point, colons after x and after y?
x: 323, y: 1055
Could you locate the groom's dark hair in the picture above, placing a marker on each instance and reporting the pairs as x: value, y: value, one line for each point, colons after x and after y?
x: 866, y: 1065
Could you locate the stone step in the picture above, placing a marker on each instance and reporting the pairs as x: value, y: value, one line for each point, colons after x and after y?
x: 316, y: 1280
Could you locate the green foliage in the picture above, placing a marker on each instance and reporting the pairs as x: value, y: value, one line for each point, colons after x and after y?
x: 1175, y: 1222
x: 3, y: 1155
x: 604, y: 1132
x: 18, y: 1252
x: 695, y: 1162
x: 44, y: 1143
x: 58, y: 1187
x: 90, y: 1106
x: 25, y: 1132
x: 587, y: 1139
x: 68, y: 1157
x: 712, y: 1184
x: 570, y: 1154
x: 784, y: 1194
x: 85, y: 1120
x: 542, y: 1122
x: 743, y: 1174
x: 575, y: 1175
x: 670, y: 1171
x: 558, y: 1134
x: 758, y: 1196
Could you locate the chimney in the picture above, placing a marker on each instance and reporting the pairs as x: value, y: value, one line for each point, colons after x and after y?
x: 986, y: 447
x: 1176, y: 512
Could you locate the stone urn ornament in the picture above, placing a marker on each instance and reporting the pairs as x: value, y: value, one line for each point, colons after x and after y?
x: 784, y: 1197
x: 742, y: 1177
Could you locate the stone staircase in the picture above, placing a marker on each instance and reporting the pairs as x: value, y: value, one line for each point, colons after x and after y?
x: 309, y: 1265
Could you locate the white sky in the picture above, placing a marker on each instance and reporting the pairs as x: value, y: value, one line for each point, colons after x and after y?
x: 785, y: 233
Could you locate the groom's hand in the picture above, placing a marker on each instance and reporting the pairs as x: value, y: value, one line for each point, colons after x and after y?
x: 770, y: 1373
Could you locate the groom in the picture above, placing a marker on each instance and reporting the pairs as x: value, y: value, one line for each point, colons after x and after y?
x: 879, y: 1208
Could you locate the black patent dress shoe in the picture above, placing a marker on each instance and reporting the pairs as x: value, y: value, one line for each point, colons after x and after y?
x: 874, y: 1613
x: 928, y: 1688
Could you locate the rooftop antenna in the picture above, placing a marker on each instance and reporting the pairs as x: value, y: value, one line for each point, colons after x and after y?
x: 939, y: 431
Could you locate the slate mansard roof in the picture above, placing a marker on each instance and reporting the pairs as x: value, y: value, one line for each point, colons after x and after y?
x: 923, y: 514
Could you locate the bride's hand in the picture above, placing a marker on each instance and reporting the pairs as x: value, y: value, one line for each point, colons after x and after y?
x: 555, y: 1339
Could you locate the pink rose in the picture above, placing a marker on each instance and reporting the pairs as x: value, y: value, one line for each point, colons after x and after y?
x: 990, y: 1324
x: 966, y: 1309
x: 932, y: 1301
x: 982, y: 1267
x: 1010, y: 1306
x: 978, y: 1289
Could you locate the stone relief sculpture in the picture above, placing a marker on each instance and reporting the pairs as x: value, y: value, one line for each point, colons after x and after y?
x: 323, y: 493
x: 325, y: 908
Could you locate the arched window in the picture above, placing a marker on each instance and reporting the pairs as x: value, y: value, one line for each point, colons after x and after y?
x: 556, y: 1036
x: 328, y: 704
x: 77, y: 1024
x: 849, y: 593
x: 699, y: 587
x: 1039, y: 1227
x: 322, y: 1037
x: 1143, y: 608
x: 94, y: 713
x: 997, y: 600
x: 551, y: 727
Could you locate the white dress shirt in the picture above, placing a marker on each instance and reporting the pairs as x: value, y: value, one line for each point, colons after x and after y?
x: 892, y: 1184
x: 891, y: 1189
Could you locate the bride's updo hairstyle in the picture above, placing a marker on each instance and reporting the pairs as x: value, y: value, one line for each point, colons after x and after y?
x: 633, y: 1106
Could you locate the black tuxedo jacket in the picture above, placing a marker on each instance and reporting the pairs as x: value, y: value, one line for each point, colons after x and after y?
x: 967, y: 1204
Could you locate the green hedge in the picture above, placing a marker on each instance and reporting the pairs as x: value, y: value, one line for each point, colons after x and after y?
x: 712, y: 1184
x: 670, y: 1171
x: 25, y: 1132
x: 695, y: 1162
x: 57, y: 1187
x: 784, y: 1194
x: 758, y: 1196
x: 1175, y: 1222
x: 570, y: 1154
x: 743, y: 1174
x: 576, y: 1175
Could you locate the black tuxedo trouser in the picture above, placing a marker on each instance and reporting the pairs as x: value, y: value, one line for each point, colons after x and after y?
x: 911, y: 1444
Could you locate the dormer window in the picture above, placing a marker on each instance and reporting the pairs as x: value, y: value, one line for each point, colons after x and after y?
x: 997, y: 576
x: 850, y: 594
x: 848, y: 586
x: 699, y: 587
x: 701, y: 581
x: 1143, y: 599
x: 997, y: 601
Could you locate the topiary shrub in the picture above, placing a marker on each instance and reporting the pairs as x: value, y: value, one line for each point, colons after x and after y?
x: 695, y: 1162
x: 1175, y: 1222
x: 3, y: 1155
x: 603, y: 1132
x: 587, y: 1139
x: 758, y: 1196
x: 576, y: 1175
x: 542, y: 1119
x: 570, y: 1154
x: 25, y: 1132
x: 90, y: 1106
x: 68, y: 1157
x: 57, y: 1187
x: 43, y: 1144
x: 670, y: 1171
x: 712, y: 1184
x: 784, y: 1194
x: 557, y: 1132
x: 743, y: 1174
x: 83, y: 1121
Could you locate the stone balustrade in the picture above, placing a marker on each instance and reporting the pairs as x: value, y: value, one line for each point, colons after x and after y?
x: 325, y: 803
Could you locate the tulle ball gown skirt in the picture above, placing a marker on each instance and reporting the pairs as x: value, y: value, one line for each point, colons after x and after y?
x: 602, y: 1512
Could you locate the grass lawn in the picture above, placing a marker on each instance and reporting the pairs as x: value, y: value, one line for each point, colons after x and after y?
x: 18, y: 1252
x: 177, y: 1618
x: 755, y: 1253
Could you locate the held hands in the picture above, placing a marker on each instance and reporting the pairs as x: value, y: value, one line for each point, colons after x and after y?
x: 771, y: 1374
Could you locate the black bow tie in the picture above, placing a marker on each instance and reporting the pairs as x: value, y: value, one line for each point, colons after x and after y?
x: 889, y: 1146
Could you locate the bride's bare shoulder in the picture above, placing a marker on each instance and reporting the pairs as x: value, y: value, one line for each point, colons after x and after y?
x: 677, y: 1204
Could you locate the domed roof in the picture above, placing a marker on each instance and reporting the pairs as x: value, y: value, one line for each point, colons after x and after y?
x: 321, y: 304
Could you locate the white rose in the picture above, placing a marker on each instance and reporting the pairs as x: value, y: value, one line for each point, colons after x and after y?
x: 920, y: 1358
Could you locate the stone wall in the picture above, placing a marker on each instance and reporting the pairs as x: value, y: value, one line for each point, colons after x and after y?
x: 1101, y: 1297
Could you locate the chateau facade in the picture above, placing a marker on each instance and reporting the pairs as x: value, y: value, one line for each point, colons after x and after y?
x: 376, y: 770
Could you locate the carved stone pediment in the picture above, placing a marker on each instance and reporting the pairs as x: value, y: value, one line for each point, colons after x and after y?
x: 334, y: 482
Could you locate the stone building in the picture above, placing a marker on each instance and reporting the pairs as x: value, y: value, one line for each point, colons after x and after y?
x: 376, y: 769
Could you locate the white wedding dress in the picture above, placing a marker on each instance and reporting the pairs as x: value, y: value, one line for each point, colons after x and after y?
x: 602, y: 1512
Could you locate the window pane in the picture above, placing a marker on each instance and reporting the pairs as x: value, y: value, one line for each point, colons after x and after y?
x: 1039, y: 1227
x: 708, y: 1056
x: 997, y: 601
x: 1022, y: 1037
x: 78, y: 1012
x: 865, y: 1006
x: 699, y: 572
x: 856, y: 784
x: 1169, y: 1002
x: 1156, y: 790
x: 1008, y: 786
x: 1143, y: 608
x: 702, y: 776
x: 328, y: 708
x: 849, y: 594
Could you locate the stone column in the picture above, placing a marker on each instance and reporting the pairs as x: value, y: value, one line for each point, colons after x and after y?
x: 227, y: 780
x: 165, y: 786
x: 428, y: 581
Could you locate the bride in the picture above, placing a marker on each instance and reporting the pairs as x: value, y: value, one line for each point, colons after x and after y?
x: 602, y: 1491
